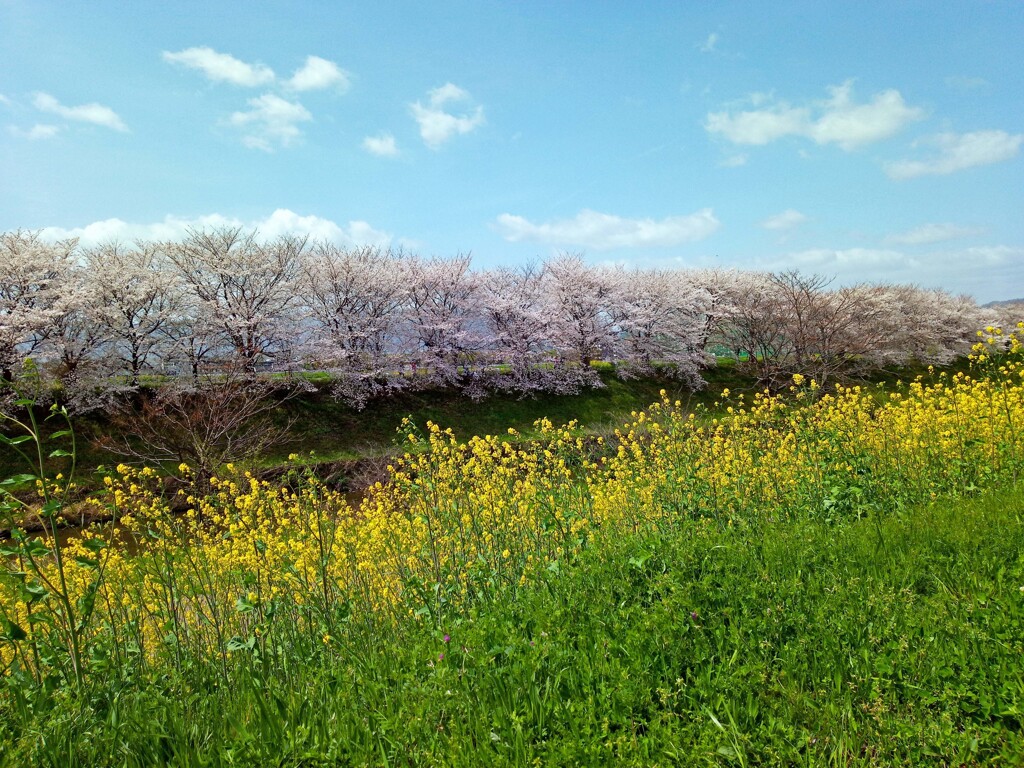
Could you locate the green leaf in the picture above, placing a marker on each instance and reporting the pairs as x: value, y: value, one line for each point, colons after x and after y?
x: 242, y: 605
x: 36, y: 548
x: 238, y: 644
x: 58, y: 453
x: 32, y: 592
x: 18, y: 479
x: 15, y: 440
x: 12, y: 631
x: 87, y: 562
x: 94, y: 545
x: 60, y: 434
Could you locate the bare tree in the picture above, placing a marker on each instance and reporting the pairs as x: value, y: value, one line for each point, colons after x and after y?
x: 227, y: 418
x: 789, y: 323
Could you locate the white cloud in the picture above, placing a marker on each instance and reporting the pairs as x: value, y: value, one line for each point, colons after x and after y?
x: 36, y: 132
x: 319, y: 74
x: 221, y: 67
x: 709, y: 45
x: 270, y: 121
x: 5, y: 101
x: 957, y: 152
x: 867, y: 261
x: 437, y: 125
x: 931, y: 233
x: 602, y: 231
x: 281, y: 222
x: 286, y: 222
x: 785, y: 220
x: 984, y: 271
x: 734, y: 161
x: 382, y: 145
x: 96, y: 114
x: 837, y: 120
x: 993, y: 255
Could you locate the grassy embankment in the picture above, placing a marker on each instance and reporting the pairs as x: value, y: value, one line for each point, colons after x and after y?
x: 351, y: 446
x: 798, y: 581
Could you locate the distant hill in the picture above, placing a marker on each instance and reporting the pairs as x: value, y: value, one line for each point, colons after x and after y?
x: 1003, y: 303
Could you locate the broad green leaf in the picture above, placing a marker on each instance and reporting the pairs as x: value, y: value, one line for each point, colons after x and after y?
x: 238, y: 644
x: 242, y: 605
x: 18, y: 479
x: 12, y: 631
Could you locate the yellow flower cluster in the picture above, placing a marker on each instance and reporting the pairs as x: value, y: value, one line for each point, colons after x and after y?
x: 460, y: 519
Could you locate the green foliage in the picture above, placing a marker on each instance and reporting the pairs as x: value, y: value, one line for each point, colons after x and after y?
x: 889, y: 642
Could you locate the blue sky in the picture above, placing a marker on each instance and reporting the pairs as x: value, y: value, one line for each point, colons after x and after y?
x: 874, y: 141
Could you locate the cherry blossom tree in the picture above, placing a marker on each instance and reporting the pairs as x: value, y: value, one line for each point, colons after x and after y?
x: 245, y: 288
x: 35, y: 291
x: 441, y: 332
x: 354, y: 300
x: 660, y: 318
x: 576, y: 298
x: 516, y: 328
x: 136, y: 307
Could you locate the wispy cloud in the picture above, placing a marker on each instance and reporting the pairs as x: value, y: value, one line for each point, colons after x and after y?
x: 603, y: 231
x: 383, y: 145
x: 709, y: 45
x: 221, y: 67
x: 839, y: 119
x: 963, y: 83
x: 37, y: 132
x: 281, y: 222
x: 734, y: 161
x: 437, y: 124
x: 270, y: 122
x: 932, y: 233
x: 869, y: 261
x: 319, y: 74
x: 788, y: 219
x: 958, y: 152
x: 95, y: 114
x: 987, y: 271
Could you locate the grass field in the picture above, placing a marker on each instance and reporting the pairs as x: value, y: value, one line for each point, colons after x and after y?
x: 892, y: 642
x: 794, y: 580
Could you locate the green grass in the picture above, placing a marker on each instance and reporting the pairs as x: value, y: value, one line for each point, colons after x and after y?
x: 882, y: 641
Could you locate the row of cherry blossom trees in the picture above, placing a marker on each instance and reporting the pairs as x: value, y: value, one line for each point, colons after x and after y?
x: 100, y: 319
